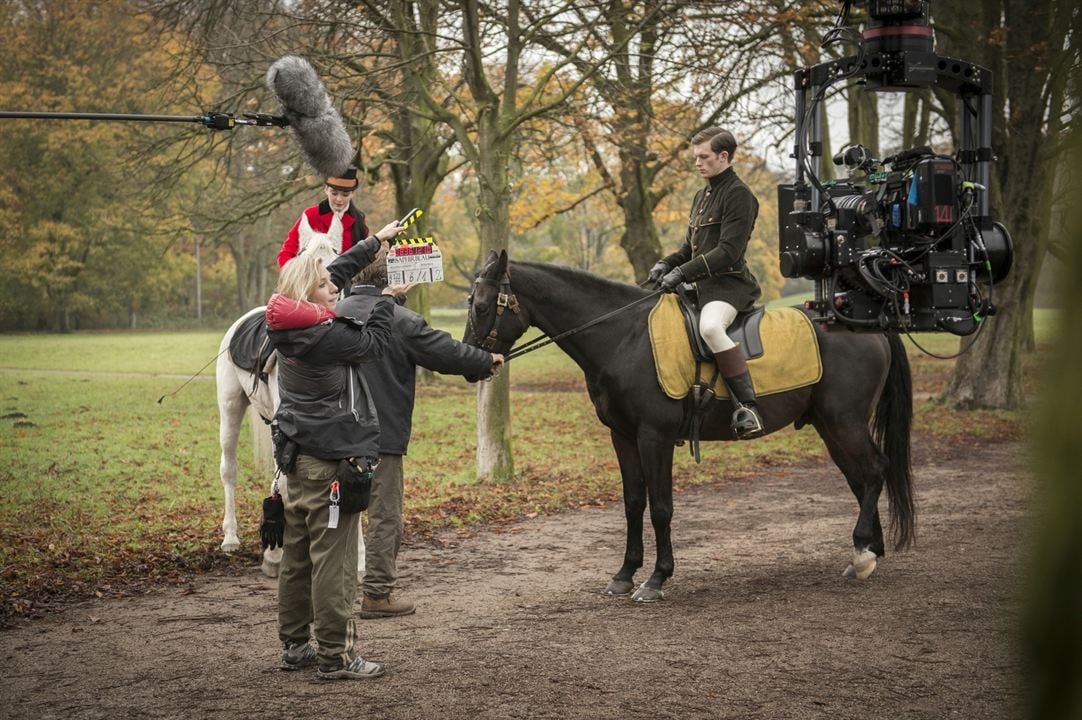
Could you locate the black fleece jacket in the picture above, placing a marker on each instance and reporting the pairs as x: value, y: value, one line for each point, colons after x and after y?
x: 393, y: 377
x: 326, y: 404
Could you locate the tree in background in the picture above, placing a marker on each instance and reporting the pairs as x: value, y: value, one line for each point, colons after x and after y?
x: 79, y: 240
x: 1031, y: 46
x: 250, y: 184
x: 490, y: 81
x: 677, y: 68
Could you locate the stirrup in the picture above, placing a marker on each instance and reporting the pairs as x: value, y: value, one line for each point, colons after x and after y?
x: 746, y: 423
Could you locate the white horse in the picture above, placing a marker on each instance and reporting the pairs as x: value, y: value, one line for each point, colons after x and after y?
x: 237, y: 390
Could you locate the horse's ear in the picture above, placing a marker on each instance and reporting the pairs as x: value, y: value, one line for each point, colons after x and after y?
x: 502, y: 266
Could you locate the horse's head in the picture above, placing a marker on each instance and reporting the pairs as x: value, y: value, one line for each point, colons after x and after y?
x: 495, y: 320
x: 320, y: 245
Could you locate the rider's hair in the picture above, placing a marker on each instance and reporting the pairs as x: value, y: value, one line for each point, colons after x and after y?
x: 719, y: 140
x: 300, y: 276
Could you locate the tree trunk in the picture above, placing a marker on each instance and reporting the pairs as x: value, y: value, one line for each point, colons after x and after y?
x: 990, y: 374
x: 419, y: 168
x: 199, y: 280
x: 420, y: 153
x: 827, y: 169
x: 494, y: 460
x: 917, y: 119
x: 863, y: 119
x: 639, y: 239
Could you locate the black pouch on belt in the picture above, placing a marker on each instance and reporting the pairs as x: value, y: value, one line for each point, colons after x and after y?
x: 285, y: 450
x: 355, y: 484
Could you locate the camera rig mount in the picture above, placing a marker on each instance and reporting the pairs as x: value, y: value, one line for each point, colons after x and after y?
x: 907, y: 242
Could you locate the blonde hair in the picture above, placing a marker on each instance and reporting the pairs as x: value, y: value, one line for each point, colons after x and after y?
x: 300, y: 277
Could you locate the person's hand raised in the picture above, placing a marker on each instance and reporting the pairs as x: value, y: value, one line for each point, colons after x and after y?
x: 390, y: 231
x: 398, y: 290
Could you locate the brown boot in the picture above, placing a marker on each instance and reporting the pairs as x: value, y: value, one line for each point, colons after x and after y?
x: 746, y: 423
x: 373, y: 608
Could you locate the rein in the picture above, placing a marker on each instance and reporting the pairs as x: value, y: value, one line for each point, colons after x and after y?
x: 540, y: 342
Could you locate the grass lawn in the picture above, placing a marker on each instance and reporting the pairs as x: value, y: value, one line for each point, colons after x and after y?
x: 102, y: 489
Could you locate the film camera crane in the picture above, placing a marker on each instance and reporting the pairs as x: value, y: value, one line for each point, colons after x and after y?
x: 913, y: 247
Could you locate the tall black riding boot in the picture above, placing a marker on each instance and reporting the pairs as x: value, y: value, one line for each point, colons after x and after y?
x: 747, y: 423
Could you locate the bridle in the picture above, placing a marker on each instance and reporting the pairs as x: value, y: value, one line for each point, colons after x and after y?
x: 506, y: 300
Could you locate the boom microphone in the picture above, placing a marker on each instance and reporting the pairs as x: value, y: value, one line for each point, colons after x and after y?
x: 316, y: 124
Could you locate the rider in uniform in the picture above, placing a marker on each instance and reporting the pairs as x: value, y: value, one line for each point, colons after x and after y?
x: 723, y: 214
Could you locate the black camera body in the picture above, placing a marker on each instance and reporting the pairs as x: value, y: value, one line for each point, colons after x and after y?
x: 907, y: 242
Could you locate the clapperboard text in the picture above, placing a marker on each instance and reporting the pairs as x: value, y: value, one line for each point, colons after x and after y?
x: 414, y: 260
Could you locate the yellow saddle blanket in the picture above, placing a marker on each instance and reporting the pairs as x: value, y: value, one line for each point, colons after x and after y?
x: 790, y: 356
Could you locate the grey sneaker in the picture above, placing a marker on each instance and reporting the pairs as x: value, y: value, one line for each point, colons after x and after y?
x: 358, y: 669
x: 297, y: 656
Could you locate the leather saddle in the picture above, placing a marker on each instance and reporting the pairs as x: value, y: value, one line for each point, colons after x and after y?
x: 250, y: 348
x: 744, y: 331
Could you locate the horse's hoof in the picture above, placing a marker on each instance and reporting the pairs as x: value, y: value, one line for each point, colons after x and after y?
x: 863, y: 565
x: 269, y: 569
x: 647, y: 594
x: 272, y: 561
x: 619, y: 588
x: 230, y: 546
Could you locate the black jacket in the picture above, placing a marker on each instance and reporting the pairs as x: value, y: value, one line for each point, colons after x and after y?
x: 326, y: 405
x: 722, y: 217
x: 393, y: 377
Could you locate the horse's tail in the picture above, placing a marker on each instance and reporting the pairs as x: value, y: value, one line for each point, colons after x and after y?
x: 891, y: 428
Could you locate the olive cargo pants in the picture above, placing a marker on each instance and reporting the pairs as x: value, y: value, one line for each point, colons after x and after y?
x: 318, y: 579
x: 383, y: 536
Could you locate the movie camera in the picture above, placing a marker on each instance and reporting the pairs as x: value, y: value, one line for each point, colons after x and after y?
x: 905, y: 243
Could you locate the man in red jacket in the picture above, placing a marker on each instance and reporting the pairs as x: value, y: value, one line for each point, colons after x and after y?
x: 330, y: 228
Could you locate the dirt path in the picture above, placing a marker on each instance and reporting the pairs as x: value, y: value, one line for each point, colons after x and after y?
x: 757, y: 622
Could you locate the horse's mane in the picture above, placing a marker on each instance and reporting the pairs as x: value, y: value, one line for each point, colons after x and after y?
x: 583, y: 279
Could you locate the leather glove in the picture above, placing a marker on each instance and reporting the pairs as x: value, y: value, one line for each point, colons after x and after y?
x: 273, y: 528
x: 672, y: 279
x: 657, y: 271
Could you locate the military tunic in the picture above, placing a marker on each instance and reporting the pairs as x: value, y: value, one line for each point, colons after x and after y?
x: 712, y: 257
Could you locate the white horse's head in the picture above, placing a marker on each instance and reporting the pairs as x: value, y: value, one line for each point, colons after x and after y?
x: 322, y: 246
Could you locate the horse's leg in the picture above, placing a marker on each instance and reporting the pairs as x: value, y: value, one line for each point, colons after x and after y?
x: 655, y: 454
x: 627, y: 453
x: 851, y: 447
x: 264, y: 399
x: 232, y: 404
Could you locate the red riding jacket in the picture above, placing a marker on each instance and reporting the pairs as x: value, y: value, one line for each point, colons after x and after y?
x: 318, y: 217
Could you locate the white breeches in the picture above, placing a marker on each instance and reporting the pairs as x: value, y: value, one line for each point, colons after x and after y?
x: 714, y: 321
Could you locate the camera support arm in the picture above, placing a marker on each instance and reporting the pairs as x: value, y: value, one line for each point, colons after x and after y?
x: 900, y: 72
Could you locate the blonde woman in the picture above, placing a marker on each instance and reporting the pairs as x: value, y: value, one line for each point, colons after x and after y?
x: 326, y: 409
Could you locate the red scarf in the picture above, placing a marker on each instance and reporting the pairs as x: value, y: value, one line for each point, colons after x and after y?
x: 285, y: 313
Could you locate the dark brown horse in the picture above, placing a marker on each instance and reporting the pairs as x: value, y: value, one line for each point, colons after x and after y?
x: 862, y: 406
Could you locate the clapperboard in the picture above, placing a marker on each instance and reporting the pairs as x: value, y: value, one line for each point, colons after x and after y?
x: 414, y: 260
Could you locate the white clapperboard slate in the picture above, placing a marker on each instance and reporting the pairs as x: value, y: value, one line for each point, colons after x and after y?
x: 414, y: 260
